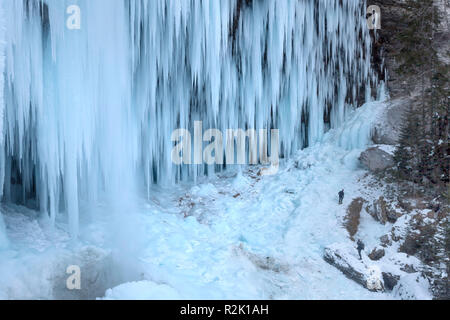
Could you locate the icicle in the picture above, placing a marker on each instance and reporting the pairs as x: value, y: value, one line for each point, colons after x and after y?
x: 3, y: 239
x: 90, y: 112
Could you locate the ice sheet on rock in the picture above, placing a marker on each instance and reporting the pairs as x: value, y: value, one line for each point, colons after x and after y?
x: 3, y: 238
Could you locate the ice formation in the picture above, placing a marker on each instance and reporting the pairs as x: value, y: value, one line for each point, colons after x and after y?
x: 3, y: 240
x: 89, y: 113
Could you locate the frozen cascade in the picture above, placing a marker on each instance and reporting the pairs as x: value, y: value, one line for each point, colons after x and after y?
x: 89, y: 113
x: 3, y: 240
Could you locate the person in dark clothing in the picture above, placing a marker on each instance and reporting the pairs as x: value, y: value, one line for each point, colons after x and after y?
x: 341, y: 196
x: 360, y: 248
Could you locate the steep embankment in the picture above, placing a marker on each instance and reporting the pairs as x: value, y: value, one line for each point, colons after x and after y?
x: 424, y: 212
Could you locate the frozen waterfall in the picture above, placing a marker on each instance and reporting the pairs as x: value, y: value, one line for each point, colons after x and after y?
x: 88, y: 114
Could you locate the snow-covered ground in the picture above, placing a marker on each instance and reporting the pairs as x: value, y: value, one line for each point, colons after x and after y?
x: 235, y: 236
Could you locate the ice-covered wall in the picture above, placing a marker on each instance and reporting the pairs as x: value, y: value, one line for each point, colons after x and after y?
x: 3, y: 240
x: 90, y: 112
x: 2, y: 105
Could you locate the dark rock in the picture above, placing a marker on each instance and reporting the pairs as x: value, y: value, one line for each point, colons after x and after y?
x: 390, y: 281
x: 375, y: 159
x: 377, y: 254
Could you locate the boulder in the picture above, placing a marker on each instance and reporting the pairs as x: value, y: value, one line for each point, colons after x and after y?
x: 343, y: 258
x: 377, y: 254
x: 376, y: 159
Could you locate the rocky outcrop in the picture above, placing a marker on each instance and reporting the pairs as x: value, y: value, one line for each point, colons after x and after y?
x: 378, y: 210
x: 341, y: 257
x: 375, y: 159
x: 382, y: 212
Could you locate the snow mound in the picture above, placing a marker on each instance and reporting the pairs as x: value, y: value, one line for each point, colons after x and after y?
x: 142, y: 290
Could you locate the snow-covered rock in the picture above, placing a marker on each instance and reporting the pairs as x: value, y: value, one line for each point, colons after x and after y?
x: 375, y: 159
x: 343, y: 257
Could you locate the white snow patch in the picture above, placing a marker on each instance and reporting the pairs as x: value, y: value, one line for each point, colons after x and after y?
x: 142, y: 290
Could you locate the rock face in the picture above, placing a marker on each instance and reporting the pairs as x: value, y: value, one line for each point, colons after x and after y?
x: 376, y: 159
x: 382, y: 212
x: 378, y: 210
x: 341, y: 257
x: 387, y: 127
